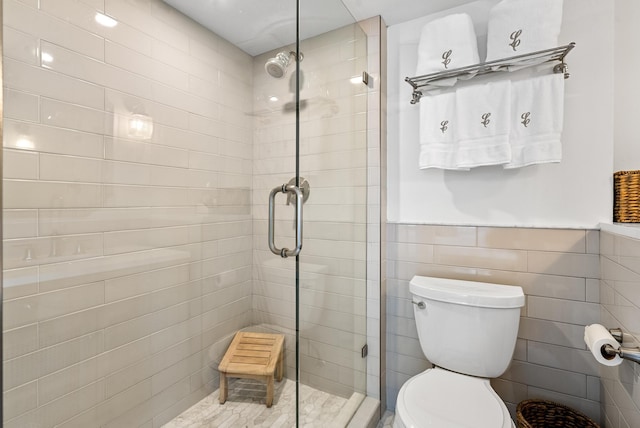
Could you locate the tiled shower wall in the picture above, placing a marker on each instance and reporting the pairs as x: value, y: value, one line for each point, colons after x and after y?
x: 559, y: 272
x: 333, y: 158
x: 620, y: 300
x: 128, y: 257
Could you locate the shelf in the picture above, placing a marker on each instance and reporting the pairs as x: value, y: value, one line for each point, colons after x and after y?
x: 428, y: 81
x: 630, y: 230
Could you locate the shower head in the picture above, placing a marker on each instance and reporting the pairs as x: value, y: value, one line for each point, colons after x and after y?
x: 277, y: 66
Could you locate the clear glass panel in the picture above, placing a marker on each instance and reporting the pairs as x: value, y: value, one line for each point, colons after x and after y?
x: 139, y: 152
x: 274, y: 164
x: 331, y: 278
x: 333, y: 158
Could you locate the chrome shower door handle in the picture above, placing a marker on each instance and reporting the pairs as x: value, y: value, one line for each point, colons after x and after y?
x: 294, y: 190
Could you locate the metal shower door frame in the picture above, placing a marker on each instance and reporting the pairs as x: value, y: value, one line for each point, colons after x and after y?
x: 1, y: 205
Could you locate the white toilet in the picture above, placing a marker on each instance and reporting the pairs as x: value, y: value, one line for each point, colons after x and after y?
x: 468, y: 330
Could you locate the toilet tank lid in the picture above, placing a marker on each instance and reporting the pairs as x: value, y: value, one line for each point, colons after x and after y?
x: 469, y: 293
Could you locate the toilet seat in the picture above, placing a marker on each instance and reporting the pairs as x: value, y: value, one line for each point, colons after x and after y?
x: 444, y: 399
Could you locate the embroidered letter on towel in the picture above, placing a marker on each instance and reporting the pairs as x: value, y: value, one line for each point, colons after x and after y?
x: 482, y: 119
x: 517, y: 27
x: 537, y: 112
x: 437, y: 131
x: 447, y: 43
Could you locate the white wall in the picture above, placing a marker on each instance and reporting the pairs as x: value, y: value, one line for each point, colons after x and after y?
x: 573, y: 193
x: 627, y: 86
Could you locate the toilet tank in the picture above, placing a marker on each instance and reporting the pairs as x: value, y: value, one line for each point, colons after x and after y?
x: 465, y: 326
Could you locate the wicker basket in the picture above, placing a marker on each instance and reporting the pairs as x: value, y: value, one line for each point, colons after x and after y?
x: 626, y: 197
x: 547, y: 414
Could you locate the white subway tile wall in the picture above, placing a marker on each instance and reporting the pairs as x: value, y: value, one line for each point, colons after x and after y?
x: 620, y: 307
x: 128, y: 229
x: 137, y: 161
x: 558, y: 270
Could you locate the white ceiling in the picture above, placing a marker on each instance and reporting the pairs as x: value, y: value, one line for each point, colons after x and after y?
x: 397, y: 11
x: 257, y: 26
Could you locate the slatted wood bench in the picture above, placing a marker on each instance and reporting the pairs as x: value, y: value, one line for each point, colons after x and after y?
x: 252, y: 356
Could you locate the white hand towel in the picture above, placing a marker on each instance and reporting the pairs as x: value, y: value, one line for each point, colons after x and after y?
x: 482, y: 120
x: 537, y: 114
x: 438, y: 148
x: 517, y: 27
x: 447, y: 43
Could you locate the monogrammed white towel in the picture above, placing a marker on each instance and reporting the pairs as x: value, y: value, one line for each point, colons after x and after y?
x: 482, y: 124
x: 537, y: 114
x: 517, y: 27
x: 438, y: 146
x: 447, y: 43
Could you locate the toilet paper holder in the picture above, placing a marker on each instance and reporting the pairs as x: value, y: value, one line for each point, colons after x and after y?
x: 608, y: 351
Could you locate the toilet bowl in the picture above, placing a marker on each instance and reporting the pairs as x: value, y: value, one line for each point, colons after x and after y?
x: 468, y: 330
x: 439, y: 398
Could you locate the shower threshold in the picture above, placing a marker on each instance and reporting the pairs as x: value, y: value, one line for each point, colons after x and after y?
x: 245, y: 408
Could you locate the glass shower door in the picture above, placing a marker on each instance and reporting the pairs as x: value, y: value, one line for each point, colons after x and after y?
x: 326, y: 216
x: 332, y: 266
x: 319, y: 213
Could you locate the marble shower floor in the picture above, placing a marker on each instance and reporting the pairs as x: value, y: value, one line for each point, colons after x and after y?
x: 245, y: 408
x: 387, y: 420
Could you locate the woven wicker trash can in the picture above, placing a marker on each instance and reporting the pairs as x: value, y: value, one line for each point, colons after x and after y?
x: 626, y: 196
x: 547, y: 414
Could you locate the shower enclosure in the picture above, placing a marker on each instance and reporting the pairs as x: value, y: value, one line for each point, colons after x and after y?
x: 142, y: 142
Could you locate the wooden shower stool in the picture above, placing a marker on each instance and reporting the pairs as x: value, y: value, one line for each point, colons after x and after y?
x: 252, y: 356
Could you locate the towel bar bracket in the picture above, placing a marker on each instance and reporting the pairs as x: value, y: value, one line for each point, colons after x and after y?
x: 562, y: 68
x: 416, y: 95
x: 430, y: 81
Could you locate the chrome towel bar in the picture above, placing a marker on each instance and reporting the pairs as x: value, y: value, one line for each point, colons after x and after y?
x: 429, y: 81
